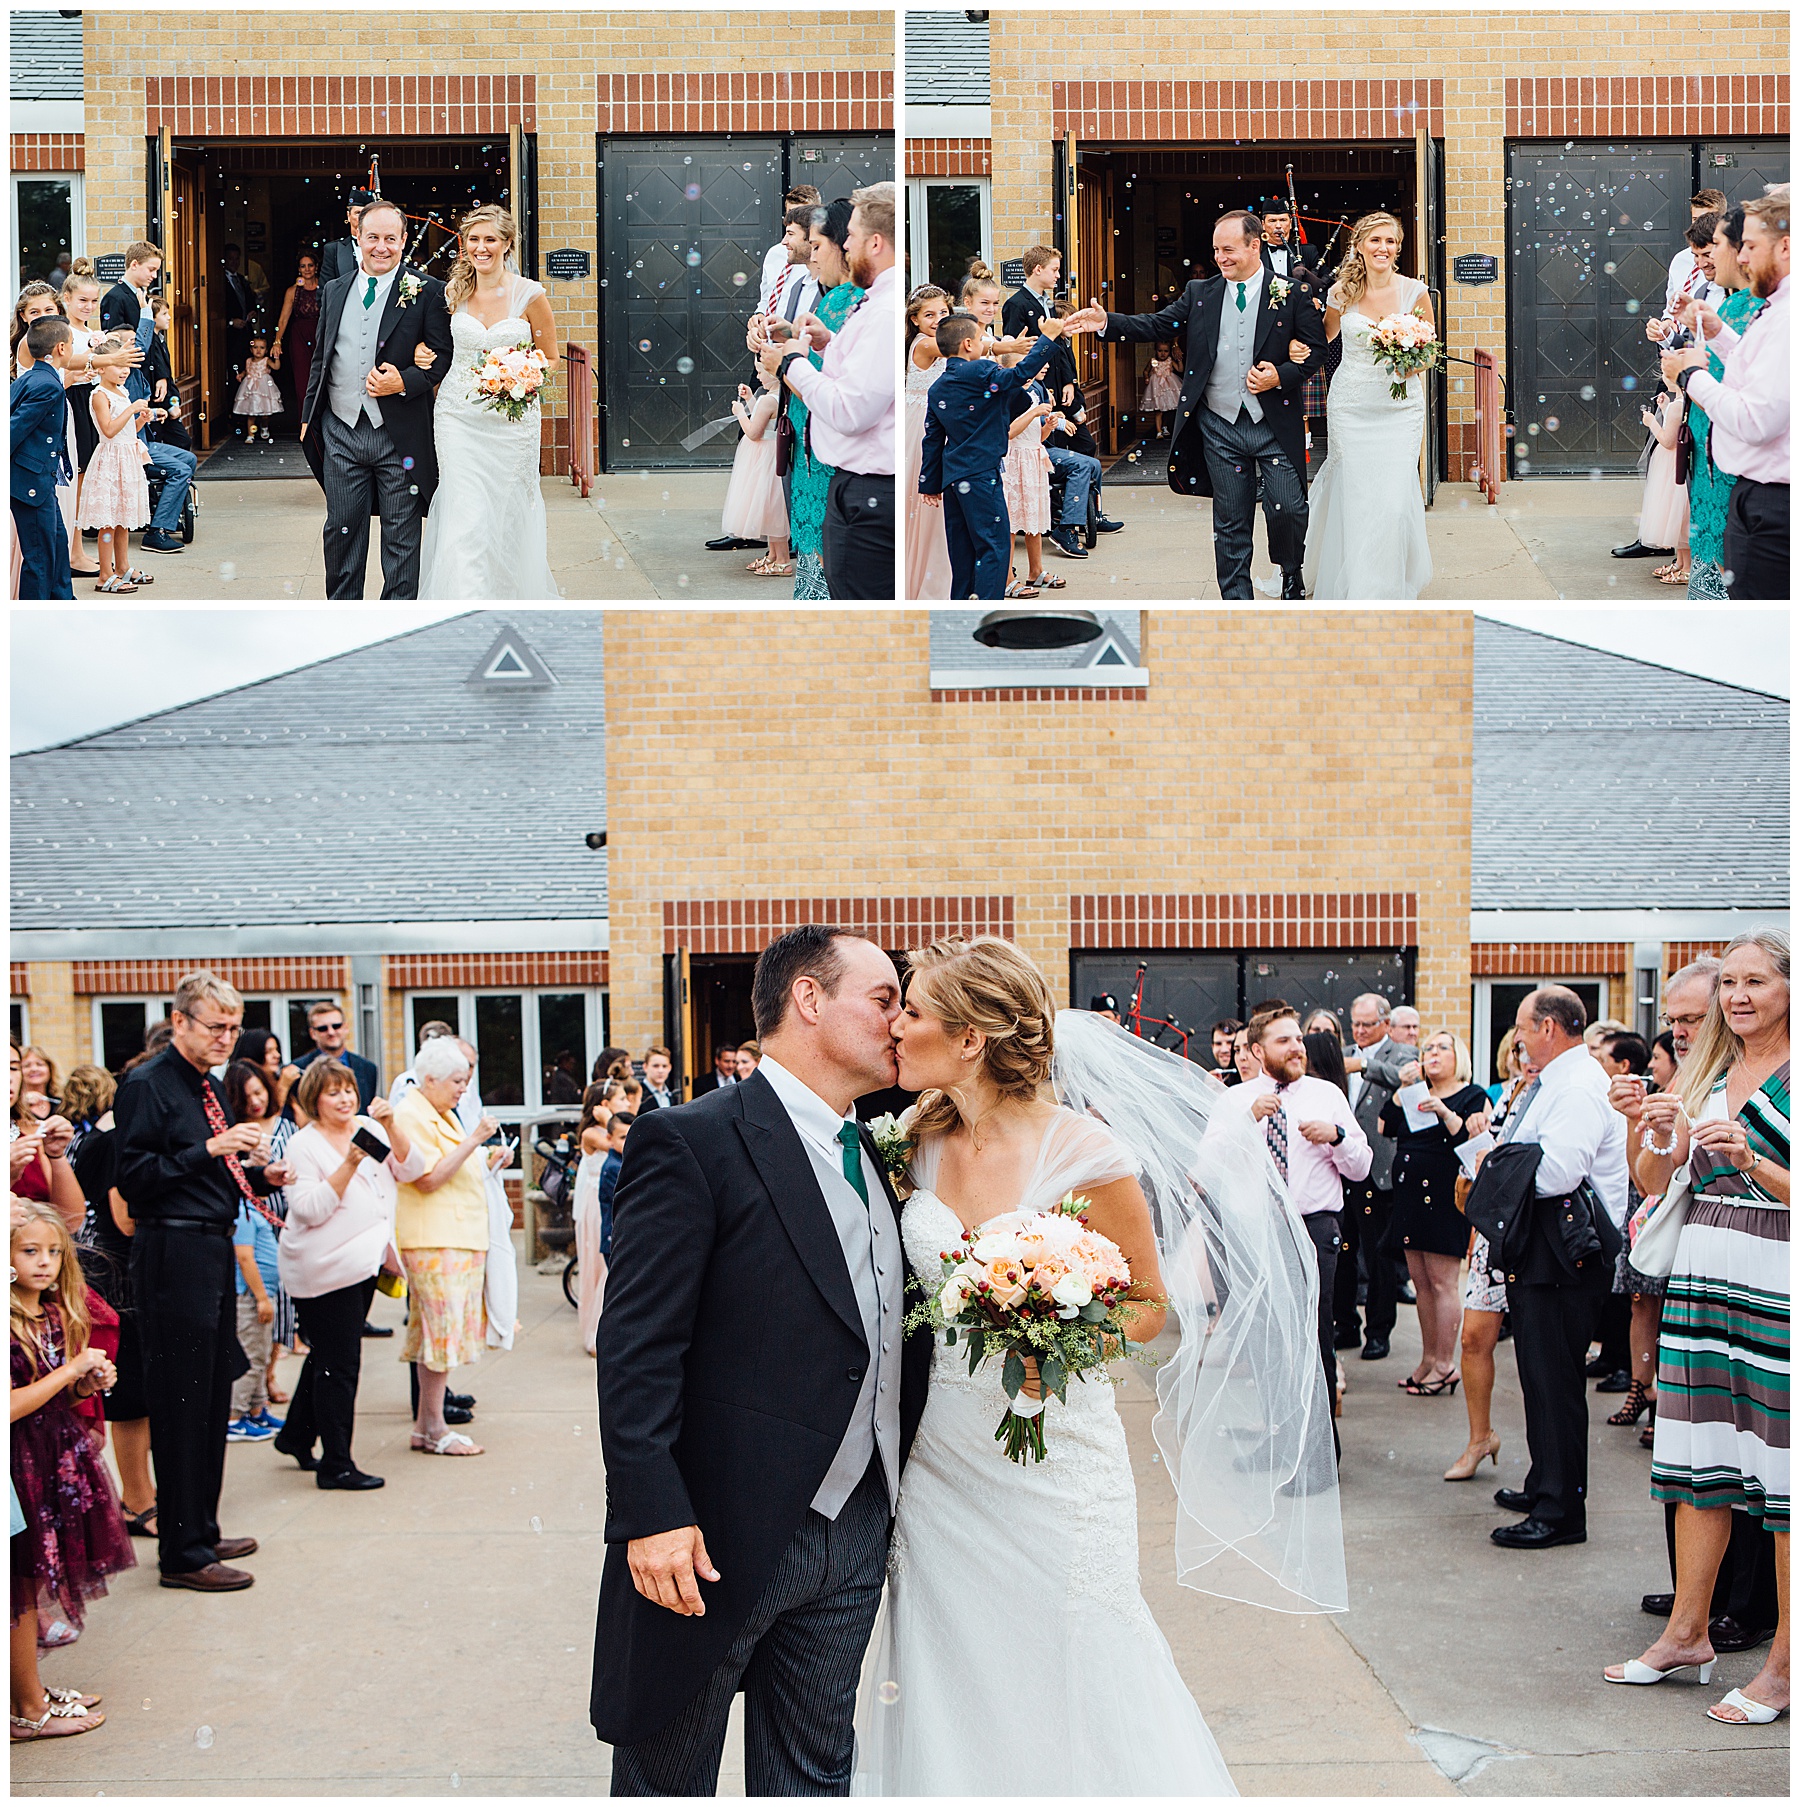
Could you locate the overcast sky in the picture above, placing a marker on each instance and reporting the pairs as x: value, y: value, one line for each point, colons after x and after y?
x: 75, y: 671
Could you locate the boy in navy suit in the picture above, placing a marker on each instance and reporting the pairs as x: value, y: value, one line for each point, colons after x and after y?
x: 39, y: 458
x: 967, y: 414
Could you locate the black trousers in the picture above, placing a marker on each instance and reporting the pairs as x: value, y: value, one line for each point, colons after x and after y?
x: 1615, y: 1331
x: 1325, y: 1229
x: 1551, y: 1329
x: 858, y: 549
x: 363, y: 466
x: 323, y: 1409
x: 1756, y: 543
x: 185, y: 1285
x: 1239, y: 453
x: 796, y: 1660
x: 1366, y: 1211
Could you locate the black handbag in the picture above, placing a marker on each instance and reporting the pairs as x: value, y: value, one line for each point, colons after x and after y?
x: 784, y: 442
x: 1684, y: 452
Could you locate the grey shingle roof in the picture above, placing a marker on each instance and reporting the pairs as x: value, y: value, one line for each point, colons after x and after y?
x: 955, y: 648
x: 1602, y: 782
x: 375, y: 786
x: 46, y: 56
x: 946, y: 60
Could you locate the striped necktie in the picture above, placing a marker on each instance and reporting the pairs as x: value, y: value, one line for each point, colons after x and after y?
x: 1275, y: 1132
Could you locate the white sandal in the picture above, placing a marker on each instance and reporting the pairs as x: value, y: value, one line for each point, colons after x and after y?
x: 1641, y: 1675
x: 1754, y: 1711
x: 446, y: 1445
x: 66, y: 1695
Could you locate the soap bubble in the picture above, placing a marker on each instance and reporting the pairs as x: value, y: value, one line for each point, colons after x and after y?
x: 227, y: 571
x: 888, y: 1693
x: 738, y: 279
x: 693, y: 260
x: 643, y: 345
x: 406, y: 464
x: 1551, y: 423
x: 685, y: 366
x: 537, y: 1525
x: 1587, y: 392
x: 692, y: 191
x: 1633, y: 305
x: 1627, y: 383
x: 203, y: 1738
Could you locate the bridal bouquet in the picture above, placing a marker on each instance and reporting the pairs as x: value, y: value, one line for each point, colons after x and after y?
x: 1046, y: 1287
x: 1406, y: 344
x: 509, y: 377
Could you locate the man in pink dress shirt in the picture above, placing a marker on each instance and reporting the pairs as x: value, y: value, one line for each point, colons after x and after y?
x: 1748, y: 407
x: 1315, y: 1143
x: 850, y: 407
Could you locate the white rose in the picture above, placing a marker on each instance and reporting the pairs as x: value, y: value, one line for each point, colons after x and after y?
x: 1001, y: 1246
x: 1073, y: 1289
x: 954, y: 1295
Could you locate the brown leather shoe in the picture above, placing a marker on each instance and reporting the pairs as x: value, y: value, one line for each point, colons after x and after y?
x: 215, y: 1578
x: 229, y: 1549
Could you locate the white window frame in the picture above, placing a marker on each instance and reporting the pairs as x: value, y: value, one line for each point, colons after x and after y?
x: 1481, y: 1012
x: 917, y: 227
x: 77, y: 182
x: 155, y: 1009
x: 531, y: 1051
x: 23, y: 1006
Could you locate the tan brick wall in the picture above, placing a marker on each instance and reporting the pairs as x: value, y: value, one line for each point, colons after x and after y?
x: 60, y: 1021
x: 844, y: 774
x: 562, y: 49
x: 1474, y: 52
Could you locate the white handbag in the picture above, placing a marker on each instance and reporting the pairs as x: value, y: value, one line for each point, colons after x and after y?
x: 1653, y: 1254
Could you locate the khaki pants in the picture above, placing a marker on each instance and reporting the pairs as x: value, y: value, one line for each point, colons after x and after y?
x: 250, y: 1393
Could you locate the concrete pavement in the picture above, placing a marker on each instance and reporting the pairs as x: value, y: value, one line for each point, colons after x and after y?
x: 435, y: 1638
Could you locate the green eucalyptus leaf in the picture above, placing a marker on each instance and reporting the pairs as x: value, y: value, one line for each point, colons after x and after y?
x: 1012, y: 1376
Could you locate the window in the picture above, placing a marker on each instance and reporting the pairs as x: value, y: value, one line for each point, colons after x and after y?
x: 288, y: 1017
x: 951, y: 224
x: 47, y: 220
x: 21, y: 1022
x: 536, y: 1048
x: 1496, y: 1007
x: 121, y: 1024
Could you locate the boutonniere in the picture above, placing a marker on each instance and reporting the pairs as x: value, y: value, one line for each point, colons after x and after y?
x: 412, y: 285
x: 1278, y: 290
x: 893, y: 1142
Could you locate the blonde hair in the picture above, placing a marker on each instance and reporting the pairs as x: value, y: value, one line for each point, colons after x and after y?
x: 989, y: 985
x: 1464, y: 1070
x: 980, y: 277
x: 68, y: 1291
x: 1716, y: 1045
x: 88, y: 1093
x: 462, y: 273
x: 1353, y: 274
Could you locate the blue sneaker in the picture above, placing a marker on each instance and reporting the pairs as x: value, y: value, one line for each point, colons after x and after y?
x: 271, y: 1425
x: 246, y: 1430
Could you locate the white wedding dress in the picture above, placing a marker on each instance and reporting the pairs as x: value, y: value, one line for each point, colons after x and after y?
x: 1365, y: 534
x: 487, y: 538
x: 1014, y: 1653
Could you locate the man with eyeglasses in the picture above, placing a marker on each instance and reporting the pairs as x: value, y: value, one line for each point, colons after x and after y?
x: 184, y: 1169
x: 325, y: 1021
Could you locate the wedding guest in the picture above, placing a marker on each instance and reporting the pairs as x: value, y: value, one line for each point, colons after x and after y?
x: 1662, y: 1061
x: 1749, y: 406
x: 749, y: 1058
x: 1685, y: 270
x: 258, y: 400
x: 258, y: 1281
x: 1709, y: 488
x: 1246, y: 1058
x: 1162, y: 389
x: 1663, y: 520
x: 300, y: 310
x: 1424, y: 1225
x: 37, y: 1072
x: 1222, y: 1035
x: 325, y: 1023
x: 340, y: 255
x: 755, y: 508
x: 261, y: 1049
x: 1726, y: 1311
x: 1381, y: 1050
x: 849, y: 399
x: 40, y: 463
x: 659, y: 1063
x: 249, y: 1099
x: 1325, y: 1059
x: 724, y: 1070
x: 927, y: 551
x: 780, y: 259
x: 590, y: 1264
x: 1027, y: 307
x: 1072, y: 451
x: 339, y: 1236
x: 1025, y: 483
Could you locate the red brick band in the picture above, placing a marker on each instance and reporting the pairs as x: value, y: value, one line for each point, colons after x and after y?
x: 746, y: 925
x: 1086, y: 693
x: 1646, y: 106
x: 949, y: 157
x: 748, y: 100
x: 1214, y: 111
x: 1548, y: 959
x: 1677, y: 954
x: 104, y: 978
x: 21, y: 979
x: 460, y: 972
x: 1247, y: 919
x: 337, y: 106
x: 48, y: 151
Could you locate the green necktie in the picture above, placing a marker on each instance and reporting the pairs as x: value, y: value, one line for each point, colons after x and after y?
x: 1240, y: 297
x: 853, y: 1160
x: 369, y: 298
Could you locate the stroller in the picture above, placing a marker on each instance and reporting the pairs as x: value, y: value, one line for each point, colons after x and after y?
x: 556, y: 1222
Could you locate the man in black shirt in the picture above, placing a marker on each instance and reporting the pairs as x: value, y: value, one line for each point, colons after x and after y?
x: 180, y: 1173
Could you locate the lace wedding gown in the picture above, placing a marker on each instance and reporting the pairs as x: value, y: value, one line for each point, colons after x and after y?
x: 486, y: 538
x: 1365, y: 534
x: 1014, y: 1654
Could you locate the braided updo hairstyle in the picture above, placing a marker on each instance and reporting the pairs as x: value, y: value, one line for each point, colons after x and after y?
x: 985, y: 984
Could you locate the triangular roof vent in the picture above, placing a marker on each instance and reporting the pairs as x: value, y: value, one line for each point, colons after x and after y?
x: 1112, y: 648
x: 511, y: 662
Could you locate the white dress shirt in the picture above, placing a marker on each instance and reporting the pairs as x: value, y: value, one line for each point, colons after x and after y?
x: 775, y: 260
x: 1582, y: 1136
x: 871, y: 1242
x: 851, y: 396
x: 1316, y: 1170
x: 1748, y: 407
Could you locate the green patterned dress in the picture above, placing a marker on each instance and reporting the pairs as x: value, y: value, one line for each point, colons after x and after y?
x: 811, y: 479
x: 1709, y: 488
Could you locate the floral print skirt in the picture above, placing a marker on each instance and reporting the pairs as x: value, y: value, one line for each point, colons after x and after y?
x: 446, y: 1316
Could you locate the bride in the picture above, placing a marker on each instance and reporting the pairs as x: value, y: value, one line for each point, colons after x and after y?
x: 1014, y: 1653
x: 486, y: 537
x: 1365, y: 538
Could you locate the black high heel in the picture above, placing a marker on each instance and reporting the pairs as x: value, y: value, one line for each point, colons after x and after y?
x: 1430, y: 1389
x: 1637, y: 1397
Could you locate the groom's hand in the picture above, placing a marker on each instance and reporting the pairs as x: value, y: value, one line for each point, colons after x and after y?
x: 663, y: 1568
x: 384, y: 379
x: 1262, y: 377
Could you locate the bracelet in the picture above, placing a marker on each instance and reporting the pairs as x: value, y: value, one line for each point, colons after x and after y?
x: 1652, y: 1146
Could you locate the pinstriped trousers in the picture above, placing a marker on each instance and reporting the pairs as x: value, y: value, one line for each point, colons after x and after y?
x: 797, y: 1658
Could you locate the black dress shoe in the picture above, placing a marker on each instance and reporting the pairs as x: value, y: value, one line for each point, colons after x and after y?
x: 1658, y: 1606
x: 1535, y: 1534
x: 1375, y: 1349
x: 1637, y: 549
x: 1619, y: 1381
x: 1346, y: 1339
x: 304, y: 1457
x: 1727, y: 1634
x: 1105, y: 524
x: 1293, y: 587
x: 1512, y: 1499
x: 1406, y: 1295
x: 729, y: 542
x: 458, y: 1414
x: 369, y: 1329
x: 352, y: 1480
x: 1599, y: 1366
x: 465, y: 1400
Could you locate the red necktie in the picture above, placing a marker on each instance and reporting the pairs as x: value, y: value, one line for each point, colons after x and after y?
x: 780, y: 284
x: 215, y: 1118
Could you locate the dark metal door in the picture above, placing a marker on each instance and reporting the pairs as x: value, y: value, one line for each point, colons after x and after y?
x: 1431, y: 274
x: 1592, y: 229
x: 838, y: 166
x: 1754, y: 164
x: 685, y: 223
x: 1194, y: 990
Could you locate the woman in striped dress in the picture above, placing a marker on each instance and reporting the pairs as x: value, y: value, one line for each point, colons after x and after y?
x: 1722, y: 1373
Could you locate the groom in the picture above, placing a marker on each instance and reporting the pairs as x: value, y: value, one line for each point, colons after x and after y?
x: 1241, y: 414
x: 365, y: 425
x: 757, y: 1396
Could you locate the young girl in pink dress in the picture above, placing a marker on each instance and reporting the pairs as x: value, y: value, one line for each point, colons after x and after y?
x: 927, y: 550
x: 1162, y: 388
x: 115, y: 497
x: 1025, y: 482
x: 1665, y: 517
x: 754, y: 508
x: 257, y: 397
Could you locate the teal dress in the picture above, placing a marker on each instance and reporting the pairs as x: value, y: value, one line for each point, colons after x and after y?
x: 1709, y: 488
x: 811, y: 479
